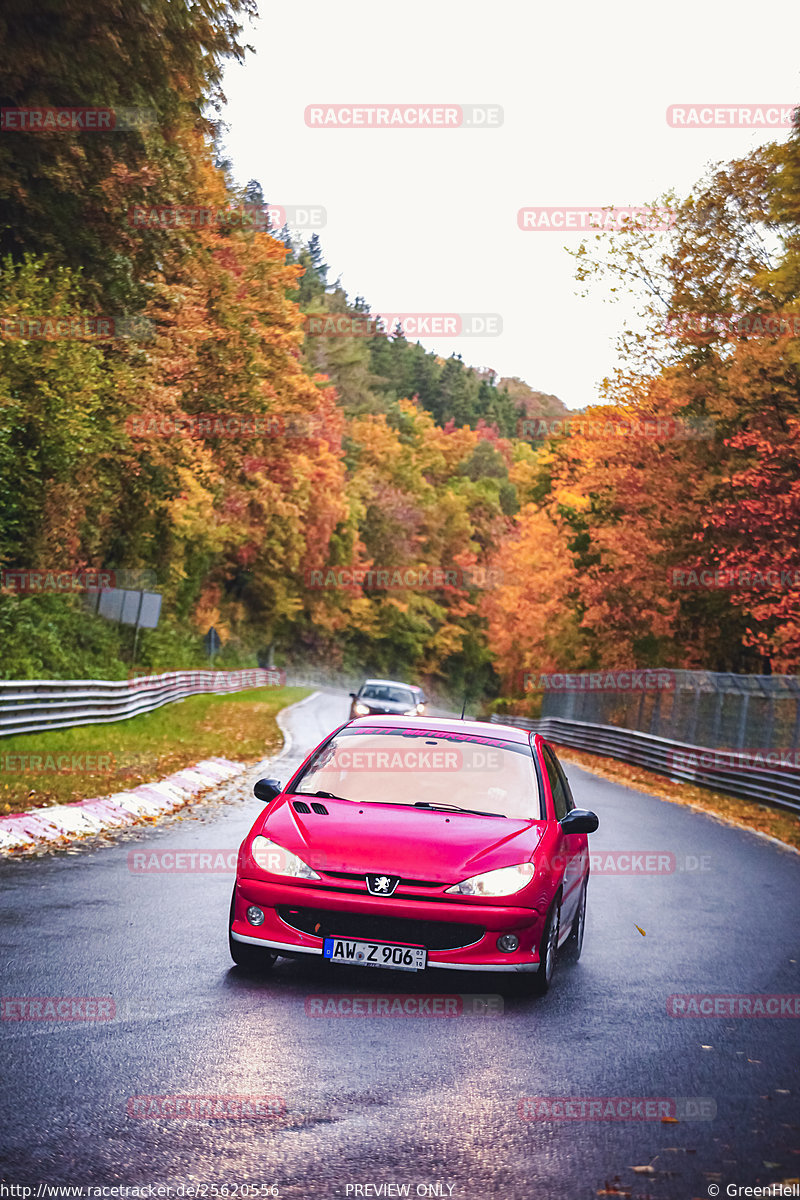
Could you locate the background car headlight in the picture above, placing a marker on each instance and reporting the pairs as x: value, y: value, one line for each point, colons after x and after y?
x: 362, y: 710
x: 502, y: 882
x: 420, y: 709
x: 271, y: 857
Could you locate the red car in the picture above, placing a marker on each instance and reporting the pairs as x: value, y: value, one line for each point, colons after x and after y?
x: 414, y: 844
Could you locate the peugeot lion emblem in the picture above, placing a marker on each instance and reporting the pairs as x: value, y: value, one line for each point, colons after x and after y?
x: 382, y: 885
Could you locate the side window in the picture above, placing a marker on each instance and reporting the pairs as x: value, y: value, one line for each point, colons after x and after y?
x: 565, y: 782
x: 556, y: 784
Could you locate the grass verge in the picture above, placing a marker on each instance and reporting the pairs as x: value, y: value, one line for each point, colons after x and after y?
x: 747, y: 814
x: 102, y: 759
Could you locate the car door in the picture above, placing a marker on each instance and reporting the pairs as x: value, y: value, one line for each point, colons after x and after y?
x: 574, y: 846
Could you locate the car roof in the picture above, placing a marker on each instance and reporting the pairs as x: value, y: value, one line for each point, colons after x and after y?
x: 387, y: 683
x: 507, y: 733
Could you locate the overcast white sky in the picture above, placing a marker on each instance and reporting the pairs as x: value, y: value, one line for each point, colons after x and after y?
x: 426, y: 220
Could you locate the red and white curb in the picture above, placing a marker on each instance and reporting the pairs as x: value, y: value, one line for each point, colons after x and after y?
x: 63, y: 823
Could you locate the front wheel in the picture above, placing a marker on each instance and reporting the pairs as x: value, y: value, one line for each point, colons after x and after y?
x: 574, y: 943
x: 249, y: 958
x: 548, y: 947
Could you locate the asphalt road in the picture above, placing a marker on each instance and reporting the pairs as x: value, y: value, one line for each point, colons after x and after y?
x: 417, y: 1101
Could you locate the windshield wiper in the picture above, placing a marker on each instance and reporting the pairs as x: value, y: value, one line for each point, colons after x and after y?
x: 323, y: 795
x: 478, y: 812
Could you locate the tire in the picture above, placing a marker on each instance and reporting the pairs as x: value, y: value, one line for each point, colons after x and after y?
x: 249, y: 958
x: 574, y: 943
x: 548, y: 947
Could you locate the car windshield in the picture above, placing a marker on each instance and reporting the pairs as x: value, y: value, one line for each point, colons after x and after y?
x: 426, y: 768
x: 387, y: 694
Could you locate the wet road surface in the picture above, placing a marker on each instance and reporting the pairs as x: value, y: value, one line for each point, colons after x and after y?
x: 432, y: 1105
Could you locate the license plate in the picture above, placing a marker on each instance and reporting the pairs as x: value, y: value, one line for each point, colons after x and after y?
x: 374, y: 954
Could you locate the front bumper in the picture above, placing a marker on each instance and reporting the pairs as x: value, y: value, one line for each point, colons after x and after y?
x: 341, y: 913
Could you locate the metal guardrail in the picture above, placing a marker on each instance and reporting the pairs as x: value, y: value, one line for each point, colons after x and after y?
x: 34, y: 705
x: 730, y: 771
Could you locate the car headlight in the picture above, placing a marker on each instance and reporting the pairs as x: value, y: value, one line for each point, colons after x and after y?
x: 502, y: 882
x: 271, y: 857
x: 420, y: 709
x: 362, y: 710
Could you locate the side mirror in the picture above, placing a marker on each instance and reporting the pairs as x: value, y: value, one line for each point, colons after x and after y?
x: 580, y: 820
x: 267, y: 789
x: 353, y: 696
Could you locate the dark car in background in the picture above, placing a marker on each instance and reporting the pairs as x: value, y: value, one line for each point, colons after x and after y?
x: 387, y: 696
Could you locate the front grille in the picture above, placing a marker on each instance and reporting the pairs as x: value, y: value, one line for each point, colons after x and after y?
x: 434, y: 935
x: 360, y: 877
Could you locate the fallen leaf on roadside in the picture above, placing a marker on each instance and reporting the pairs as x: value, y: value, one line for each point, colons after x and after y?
x: 669, y: 1121
x: 641, y: 931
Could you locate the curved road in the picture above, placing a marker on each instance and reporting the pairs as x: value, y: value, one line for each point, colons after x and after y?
x: 430, y: 1105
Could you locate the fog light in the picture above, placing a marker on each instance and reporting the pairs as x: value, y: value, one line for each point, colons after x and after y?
x: 254, y: 915
x: 507, y: 942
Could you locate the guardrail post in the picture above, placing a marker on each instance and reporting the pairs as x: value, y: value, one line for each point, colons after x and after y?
x: 741, y: 731
x: 717, y: 719
x: 691, y: 736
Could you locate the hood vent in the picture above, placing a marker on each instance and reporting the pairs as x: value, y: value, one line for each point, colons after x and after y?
x: 300, y: 806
